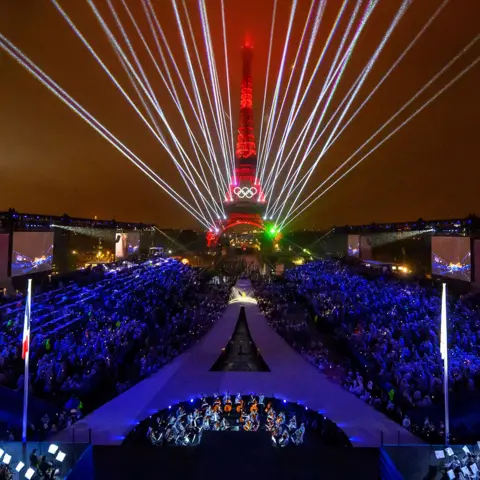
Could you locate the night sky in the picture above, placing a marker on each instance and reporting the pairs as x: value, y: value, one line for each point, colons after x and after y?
x: 51, y: 161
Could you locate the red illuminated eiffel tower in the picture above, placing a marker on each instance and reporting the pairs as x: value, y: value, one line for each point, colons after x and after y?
x: 245, y: 200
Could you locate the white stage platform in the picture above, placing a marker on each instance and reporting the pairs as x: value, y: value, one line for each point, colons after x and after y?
x: 291, y: 378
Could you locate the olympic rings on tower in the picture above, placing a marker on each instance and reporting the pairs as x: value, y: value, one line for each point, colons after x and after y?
x: 245, y: 192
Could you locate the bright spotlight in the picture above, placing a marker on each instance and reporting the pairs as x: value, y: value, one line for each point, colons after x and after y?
x: 29, y: 473
x: 6, y: 459
x: 53, y: 449
x: 19, y: 466
x: 1, y: 452
x: 60, y: 456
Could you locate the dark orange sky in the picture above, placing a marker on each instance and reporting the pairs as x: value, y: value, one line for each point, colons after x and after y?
x: 53, y: 162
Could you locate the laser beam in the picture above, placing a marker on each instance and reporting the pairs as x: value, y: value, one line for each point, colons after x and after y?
x: 410, y: 117
x: 51, y: 85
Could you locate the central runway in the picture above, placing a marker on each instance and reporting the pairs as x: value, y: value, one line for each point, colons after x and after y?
x: 188, y: 376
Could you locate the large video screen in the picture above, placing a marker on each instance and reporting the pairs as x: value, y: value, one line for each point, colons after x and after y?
x: 133, y: 243
x: 127, y: 244
x: 366, y: 248
x: 4, y: 244
x: 354, y: 245
x: 451, y: 257
x: 121, y: 248
x: 476, y: 247
x: 32, y: 252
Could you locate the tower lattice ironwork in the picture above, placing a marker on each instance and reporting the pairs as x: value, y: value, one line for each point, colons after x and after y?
x: 244, y: 200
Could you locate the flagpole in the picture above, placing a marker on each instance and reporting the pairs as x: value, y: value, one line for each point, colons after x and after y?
x: 444, y: 353
x: 26, y: 355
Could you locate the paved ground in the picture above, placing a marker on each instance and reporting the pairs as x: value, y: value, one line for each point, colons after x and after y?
x: 291, y: 378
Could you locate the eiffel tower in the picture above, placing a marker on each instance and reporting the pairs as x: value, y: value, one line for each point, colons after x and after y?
x: 245, y: 200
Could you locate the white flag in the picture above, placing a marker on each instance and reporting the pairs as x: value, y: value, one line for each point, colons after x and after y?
x: 26, y: 323
x: 443, y: 325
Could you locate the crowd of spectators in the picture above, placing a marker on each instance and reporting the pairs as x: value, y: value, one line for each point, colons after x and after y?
x: 391, y: 327
x: 90, y: 343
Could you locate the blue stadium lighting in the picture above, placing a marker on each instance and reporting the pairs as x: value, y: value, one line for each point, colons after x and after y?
x: 284, y: 401
x: 191, y: 400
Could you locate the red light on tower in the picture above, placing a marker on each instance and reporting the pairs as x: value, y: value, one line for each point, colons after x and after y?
x: 246, y: 147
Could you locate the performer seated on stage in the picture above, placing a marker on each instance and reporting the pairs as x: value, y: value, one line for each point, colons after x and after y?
x: 292, y: 425
x: 216, y: 416
x: 225, y: 424
x: 248, y: 425
x: 206, y: 423
x: 227, y: 403
x: 243, y: 416
x: 284, y: 439
x: 217, y: 403
x: 180, y: 411
x: 240, y: 406
x: 298, y: 435
x: 280, y: 418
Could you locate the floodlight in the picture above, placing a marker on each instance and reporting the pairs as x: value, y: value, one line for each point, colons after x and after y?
x: 19, y: 466
x: 53, y: 449
x: 61, y: 456
x: 29, y: 473
x: 6, y: 459
x: 1, y: 453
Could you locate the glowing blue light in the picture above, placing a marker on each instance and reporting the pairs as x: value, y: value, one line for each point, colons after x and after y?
x: 284, y: 401
x: 191, y: 400
x: 169, y: 407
